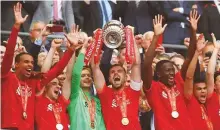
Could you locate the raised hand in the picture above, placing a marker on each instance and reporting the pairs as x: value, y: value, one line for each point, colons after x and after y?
x: 18, y: 16
x: 216, y: 43
x: 157, y: 22
x: 75, y: 29
x: 19, y: 50
x: 194, y: 18
x: 56, y: 43
x: 86, y: 42
x: 139, y: 40
x: 187, y: 41
x: 73, y: 40
x: 160, y: 49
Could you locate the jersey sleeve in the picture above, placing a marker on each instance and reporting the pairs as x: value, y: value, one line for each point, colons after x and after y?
x: 152, y: 92
x: 76, y: 76
x: 136, y: 85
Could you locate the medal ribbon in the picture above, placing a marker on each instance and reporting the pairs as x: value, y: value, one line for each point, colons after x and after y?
x: 171, y: 96
x: 208, y: 122
x: 121, y: 102
x: 24, y: 95
x: 99, y: 44
x: 92, y: 108
x: 129, y: 54
x: 24, y: 98
x: 56, y: 111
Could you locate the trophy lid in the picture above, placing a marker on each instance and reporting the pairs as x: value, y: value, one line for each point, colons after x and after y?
x: 113, y: 23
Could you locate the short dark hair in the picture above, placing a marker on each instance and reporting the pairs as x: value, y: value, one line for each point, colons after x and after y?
x: 3, y: 44
x: 158, y: 67
x: 117, y: 65
x: 17, y: 57
x: 217, y: 73
x: 200, y: 77
x: 160, y: 64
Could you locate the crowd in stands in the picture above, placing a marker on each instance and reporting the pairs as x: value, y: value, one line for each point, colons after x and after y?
x: 54, y: 84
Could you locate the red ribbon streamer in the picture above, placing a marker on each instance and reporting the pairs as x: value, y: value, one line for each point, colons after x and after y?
x: 89, y: 51
x: 99, y: 44
x: 129, y: 54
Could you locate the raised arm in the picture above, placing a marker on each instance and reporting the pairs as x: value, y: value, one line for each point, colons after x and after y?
x: 194, y: 17
x: 58, y: 68
x: 150, y: 53
x: 136, y: 67
x: 48, y: 61
x: 188, y: 84
x: 67, y: 82
x: 66, y: 89
x: 8, y: 57
x: 211, y: 67
x: 77, y: 70
x: 98, y: 76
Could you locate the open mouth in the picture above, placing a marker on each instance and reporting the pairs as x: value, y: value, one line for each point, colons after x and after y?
x: 203, y: 96
x: 116, y: 79
x: 28, y: 71
x: 57, y: 91
x: 171, y: 79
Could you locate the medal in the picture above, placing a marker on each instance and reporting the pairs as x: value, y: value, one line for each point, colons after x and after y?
x: 92, y: 125
x: 125, y: 121
x: 175, y: 114
x: 23, y: 91
x: 206, y: 118
x: 121, y: 102
x: 59, y: 126
x: 24, y: 115
x: 92, y: 110
x: 172, y: 99
x: 57, y: 109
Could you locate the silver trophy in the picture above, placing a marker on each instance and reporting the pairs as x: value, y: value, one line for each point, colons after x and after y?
x: 113, y: 34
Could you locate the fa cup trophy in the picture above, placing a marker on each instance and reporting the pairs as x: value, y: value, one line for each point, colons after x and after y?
x: 113, y: 34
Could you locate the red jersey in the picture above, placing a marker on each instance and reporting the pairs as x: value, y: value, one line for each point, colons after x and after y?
x: 160, y: 104
x: 11, y: 104
x: 112, y: 112
x: 195, y: 112
x: 213, y: 109
x: 44, y: 114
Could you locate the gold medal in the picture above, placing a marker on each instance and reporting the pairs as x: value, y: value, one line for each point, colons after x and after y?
x: 59, y: 126
x: 175, y: 114
x: 124, y: 121
x: 24, y: 115
x: 93, y: 125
